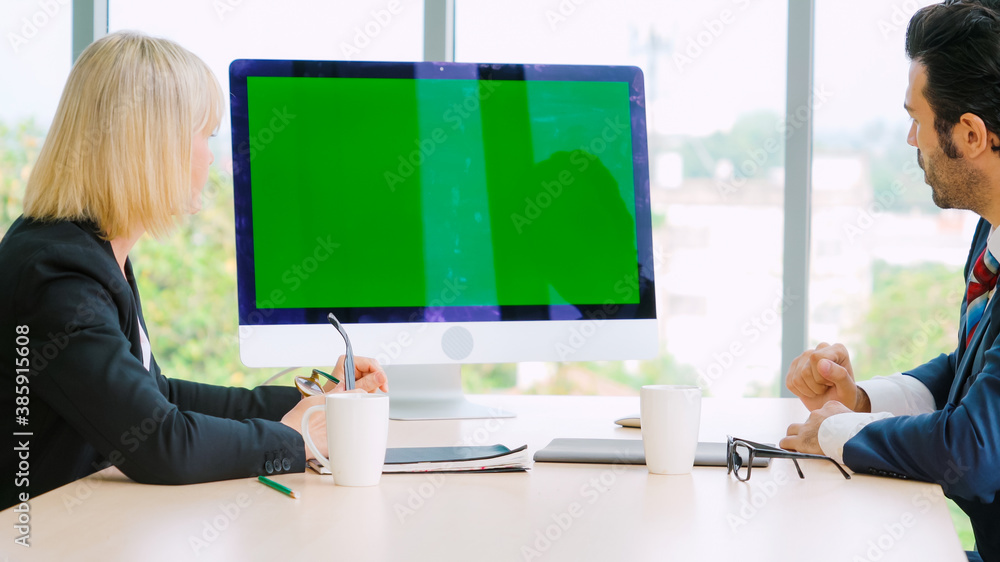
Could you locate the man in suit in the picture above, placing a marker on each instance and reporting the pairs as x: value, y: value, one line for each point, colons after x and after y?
x: 939, y: 422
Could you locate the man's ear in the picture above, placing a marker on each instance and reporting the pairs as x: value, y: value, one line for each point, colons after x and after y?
x: 973, y: 137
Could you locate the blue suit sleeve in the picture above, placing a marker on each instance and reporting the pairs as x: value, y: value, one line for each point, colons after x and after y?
x: 957, y: 446
x: 937, y: 375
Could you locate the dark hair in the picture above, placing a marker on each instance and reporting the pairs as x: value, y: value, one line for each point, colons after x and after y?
x: 991, y: 4
x: 958, y: 42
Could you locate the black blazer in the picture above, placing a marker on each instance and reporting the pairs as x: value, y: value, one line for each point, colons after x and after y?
x: 90, y: 401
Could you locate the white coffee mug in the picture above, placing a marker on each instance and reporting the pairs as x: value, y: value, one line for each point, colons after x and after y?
x: 670, y: 416
x: 357, y: 427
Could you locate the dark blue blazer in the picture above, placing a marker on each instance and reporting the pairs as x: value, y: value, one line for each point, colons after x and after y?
x: 957, y: 446
x: 90, y: 401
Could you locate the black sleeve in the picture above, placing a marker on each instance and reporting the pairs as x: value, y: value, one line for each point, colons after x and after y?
x: 85, y: 371
x: 265, y: 402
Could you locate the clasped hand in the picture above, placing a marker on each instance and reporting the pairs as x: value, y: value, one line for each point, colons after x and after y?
x: 824, y: 380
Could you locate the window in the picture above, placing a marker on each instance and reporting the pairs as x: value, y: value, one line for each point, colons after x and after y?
x: 892, y: 291
x: 36, y: 53
x: 194, y: 271
x: 871, y: 203
x: 715, y: 81
x: 715, y: 87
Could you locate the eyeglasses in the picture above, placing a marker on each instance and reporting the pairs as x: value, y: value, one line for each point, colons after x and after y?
x: 311, y: 385
x: 741, y: 453
x: 348, y: 357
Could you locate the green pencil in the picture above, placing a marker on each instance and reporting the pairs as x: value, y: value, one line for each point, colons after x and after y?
x: 272, y: 484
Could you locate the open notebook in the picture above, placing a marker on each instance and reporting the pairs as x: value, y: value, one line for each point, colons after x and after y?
x: 488, y: 458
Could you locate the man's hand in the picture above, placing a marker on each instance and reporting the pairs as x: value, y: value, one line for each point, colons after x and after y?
x: 824, y: 374
x: 368, y: 375
x: 803, y: 437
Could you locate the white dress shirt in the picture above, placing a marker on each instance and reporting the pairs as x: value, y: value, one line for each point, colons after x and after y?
x: 147, y: 353
x: 895, y: 395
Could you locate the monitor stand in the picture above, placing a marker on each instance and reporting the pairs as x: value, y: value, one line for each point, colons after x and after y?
x: 433, y: 392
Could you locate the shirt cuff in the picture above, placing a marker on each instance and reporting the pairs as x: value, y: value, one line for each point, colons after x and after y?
x: 898, y: 394
x: 836, y: 430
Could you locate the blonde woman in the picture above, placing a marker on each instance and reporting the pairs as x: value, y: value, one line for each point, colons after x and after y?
x: 127, y: 154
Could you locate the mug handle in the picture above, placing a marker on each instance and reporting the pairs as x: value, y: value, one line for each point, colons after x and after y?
x: 308, y: 439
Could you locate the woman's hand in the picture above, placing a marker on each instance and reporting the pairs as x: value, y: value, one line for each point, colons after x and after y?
x: 317, y: 423
x: 368, y: 376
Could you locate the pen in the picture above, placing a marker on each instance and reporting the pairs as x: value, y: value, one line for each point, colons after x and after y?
x: 272, y: 484
x: 327, y: 375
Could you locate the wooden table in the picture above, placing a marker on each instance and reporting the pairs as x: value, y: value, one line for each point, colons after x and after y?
x: 553, y: 512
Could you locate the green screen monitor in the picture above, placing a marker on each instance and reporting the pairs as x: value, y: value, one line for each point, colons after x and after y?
x: 446, y: 213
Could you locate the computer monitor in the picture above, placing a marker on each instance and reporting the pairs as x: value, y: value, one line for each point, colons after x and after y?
x: 446, y: 213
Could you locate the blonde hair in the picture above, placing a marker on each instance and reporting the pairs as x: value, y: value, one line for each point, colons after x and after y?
x: 119, y: 149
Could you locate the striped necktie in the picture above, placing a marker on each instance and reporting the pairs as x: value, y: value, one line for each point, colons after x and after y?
x: 982, y: 280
